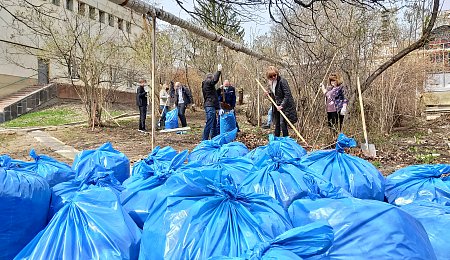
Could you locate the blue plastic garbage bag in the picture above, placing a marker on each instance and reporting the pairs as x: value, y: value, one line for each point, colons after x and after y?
x: 355, y: 175
x: 136, y: 198
x: 284, y: 148
x: 172, y: 119
x: 227, y: 122
x: 204, y: 215
x: 224, y: 138
x: 365, y: 229
x: 145, y: 167
x: 282, y: 177
x: 103, y: 159
x: 64, y: 192
x: 238, y: 168
x: 286, y: 182
x: 419, y: 182
x: 92, y: 226
x: 295, y: 244
x: 210, y: 151
x: 435, y: 218
x: 52, y: 170
x: 24, y: 202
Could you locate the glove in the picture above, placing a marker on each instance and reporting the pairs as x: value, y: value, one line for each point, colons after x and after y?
x: 219, y: 67
x: 221, y: 111
x: 323, y: 88
x: 344, y: 110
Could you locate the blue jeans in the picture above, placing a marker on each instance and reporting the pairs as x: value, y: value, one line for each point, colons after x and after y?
x: 210, y: 126
x: 164, y: 110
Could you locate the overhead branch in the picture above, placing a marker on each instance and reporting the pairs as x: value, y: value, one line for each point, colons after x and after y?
x: 416, y: 45
x: 145, y: 8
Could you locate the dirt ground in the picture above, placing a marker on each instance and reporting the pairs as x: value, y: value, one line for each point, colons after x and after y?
x: 421, y: 142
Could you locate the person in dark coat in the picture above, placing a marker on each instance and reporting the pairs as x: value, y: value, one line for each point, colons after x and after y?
x: 281, y: 93
x: 210, y: 103
x: 183, y: 98
x: 227, y: 99
x: 141, y: 102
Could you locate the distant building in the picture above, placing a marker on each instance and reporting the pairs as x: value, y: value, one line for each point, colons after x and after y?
x: 13, y: 76
x: 437, y: 86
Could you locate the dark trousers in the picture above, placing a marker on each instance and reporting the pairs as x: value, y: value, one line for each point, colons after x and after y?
x: 142, y: 116
x: 333, y: 124
x: 164, y: 110
x: 280, y: 123
x: 181, y: 111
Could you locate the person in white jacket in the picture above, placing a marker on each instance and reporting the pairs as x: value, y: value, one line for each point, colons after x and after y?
x: 163, y: 104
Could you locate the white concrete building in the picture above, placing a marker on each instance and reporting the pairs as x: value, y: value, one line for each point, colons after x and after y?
x: 18, y: 69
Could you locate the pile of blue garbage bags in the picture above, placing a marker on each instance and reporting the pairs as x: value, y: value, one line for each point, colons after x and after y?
x: 222, y: 201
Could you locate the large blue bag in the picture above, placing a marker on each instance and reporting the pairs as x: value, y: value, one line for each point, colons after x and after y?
x: 295, y: 244
x: 201, y: 214
x: 419, y: 182
x: 92, y: 226
x: 24, y: 201
x: 227, y: 122
x: 64, y: 192
x: 145, y: 167
x: 171, y: 119
x: 365, y: 229
x: 237, y: 168
x: 52, y: 170
x: 287, y: 182
x: 435, y: 218
x: 355, y: 175
x: 103, y: 159
x: 219, y: 147
x: 136, y: 198
x: 284, y: 148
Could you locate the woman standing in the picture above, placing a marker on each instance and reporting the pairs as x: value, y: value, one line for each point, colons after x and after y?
x: 281, y: 93
x: 336, y: 103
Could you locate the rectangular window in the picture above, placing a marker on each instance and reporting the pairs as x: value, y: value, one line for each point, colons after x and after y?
x: 101, y: 16
x: 56, y: 2
x: 111, y: 20
x: 69, y: 5
x: 92, y: 12
x: 120, y: 24
x: 81, y: 8
x: 128, y: 27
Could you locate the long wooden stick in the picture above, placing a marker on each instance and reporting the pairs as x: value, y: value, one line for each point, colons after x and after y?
x: 282, y: 113
x: 362, y: 112
x: 153, y: 77
x: 110, y: 116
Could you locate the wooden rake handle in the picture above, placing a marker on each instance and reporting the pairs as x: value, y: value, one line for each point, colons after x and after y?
x: 282, y: 113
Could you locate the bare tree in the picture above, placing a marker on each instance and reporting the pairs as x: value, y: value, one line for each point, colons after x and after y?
x: 88, y: 54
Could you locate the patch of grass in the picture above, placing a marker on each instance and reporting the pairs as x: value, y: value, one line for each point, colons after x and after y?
x: 427, y: 157
x: 48, y: 117
x: 377, y: 164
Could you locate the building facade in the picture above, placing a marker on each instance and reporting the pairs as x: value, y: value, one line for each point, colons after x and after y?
x: 18, y: 68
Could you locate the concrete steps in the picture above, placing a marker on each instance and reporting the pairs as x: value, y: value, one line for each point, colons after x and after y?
x: 25, y: 100
x: 17, y: 96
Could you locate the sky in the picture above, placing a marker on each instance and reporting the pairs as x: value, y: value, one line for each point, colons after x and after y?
x: 252, y: 29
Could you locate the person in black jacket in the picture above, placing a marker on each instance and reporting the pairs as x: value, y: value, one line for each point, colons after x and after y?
x: 183, y: 98
x: 281, y: 93
x: 211, y: 103
x: 227, y: 100
x: 141, y: 102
